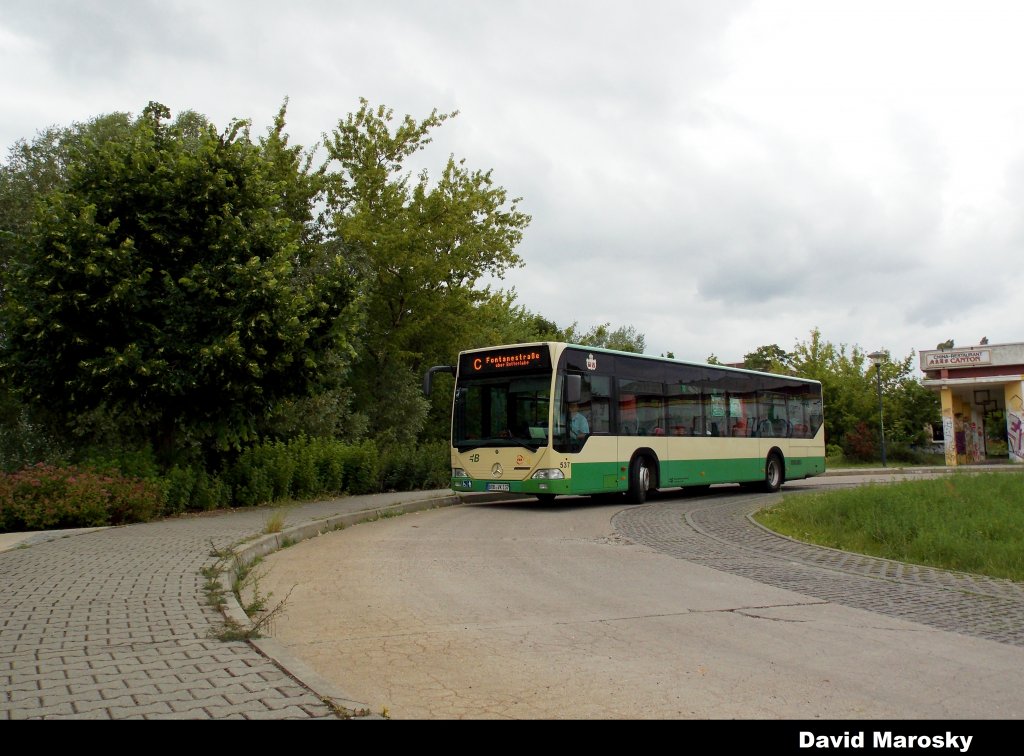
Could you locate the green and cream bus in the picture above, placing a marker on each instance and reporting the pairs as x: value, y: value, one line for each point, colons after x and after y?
x: 650, y: 423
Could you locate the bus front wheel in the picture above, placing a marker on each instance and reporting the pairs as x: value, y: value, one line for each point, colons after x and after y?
x: 545, y: 498
x: 639, y: 480
x: 773, y: 474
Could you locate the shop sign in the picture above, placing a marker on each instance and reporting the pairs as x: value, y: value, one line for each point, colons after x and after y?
x: 958, y: 358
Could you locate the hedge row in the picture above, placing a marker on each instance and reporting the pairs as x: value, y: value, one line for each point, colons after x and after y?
x: 46, y: 496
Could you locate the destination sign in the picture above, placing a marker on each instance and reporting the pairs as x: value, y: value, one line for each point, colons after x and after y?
x: 499, y: 360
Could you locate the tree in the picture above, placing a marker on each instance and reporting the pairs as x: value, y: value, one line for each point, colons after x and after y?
x: 172, y: 285
x: 624, y: 338
x: 420, y: 247
x: 769, y: 359
x: 35, y: 168
x: 908, y: 407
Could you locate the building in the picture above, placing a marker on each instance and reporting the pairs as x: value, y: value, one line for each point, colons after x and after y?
x: 973, y: 383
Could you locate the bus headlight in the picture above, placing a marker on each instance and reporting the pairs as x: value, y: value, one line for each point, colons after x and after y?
x: 551, y: 474
x: 458, y: 472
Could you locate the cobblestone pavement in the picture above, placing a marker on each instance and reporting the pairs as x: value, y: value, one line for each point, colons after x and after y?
x: 117, y: 623
x: 716, y: 530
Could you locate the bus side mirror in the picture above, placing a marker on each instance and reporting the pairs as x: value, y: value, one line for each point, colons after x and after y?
x: 573, y: 388
x: 428, y: 379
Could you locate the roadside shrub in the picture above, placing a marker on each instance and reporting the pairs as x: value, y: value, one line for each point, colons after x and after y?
x: 302, y: 468
x: 330, y: 464
x: 210, y: 492
x: 250, y: 481
x: 305, y: 481
x: 860, y: 443
x: 49, y: 496
x: 45, y: 497
x: 408, y: 467
x: 900, y: 452
x: 362, y: 468
x: 178, y: 484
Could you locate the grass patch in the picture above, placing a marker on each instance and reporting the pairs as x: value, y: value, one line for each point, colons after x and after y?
x: 968, y: 522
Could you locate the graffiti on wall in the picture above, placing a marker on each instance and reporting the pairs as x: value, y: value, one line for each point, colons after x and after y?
x: 950, y: 436
x: 976, y: 442
x: 1015, y: 427
x: 1015, y: 435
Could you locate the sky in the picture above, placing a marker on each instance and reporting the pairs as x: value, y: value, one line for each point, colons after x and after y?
x: 716, y: 175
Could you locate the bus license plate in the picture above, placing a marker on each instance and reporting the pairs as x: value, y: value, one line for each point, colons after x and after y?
x: 497, y: 487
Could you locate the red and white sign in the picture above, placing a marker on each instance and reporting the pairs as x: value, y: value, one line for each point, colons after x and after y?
x: 958, y: 358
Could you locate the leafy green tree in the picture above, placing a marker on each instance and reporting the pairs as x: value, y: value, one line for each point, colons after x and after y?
x: 35, y: 168
x: 770, y: 358
x: 909, y: 409
x: 171, y: 286
x: 420, y: 247
x: 32, y: 170
x: 624, y: 338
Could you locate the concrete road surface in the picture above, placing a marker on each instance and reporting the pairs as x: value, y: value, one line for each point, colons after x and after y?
x: 680, y: 608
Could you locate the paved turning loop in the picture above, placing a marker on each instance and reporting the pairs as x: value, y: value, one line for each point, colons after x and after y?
x: 716, y: 530
x: 116, y: 623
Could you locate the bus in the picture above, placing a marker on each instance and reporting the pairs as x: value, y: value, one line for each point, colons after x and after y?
x: 648, y: 423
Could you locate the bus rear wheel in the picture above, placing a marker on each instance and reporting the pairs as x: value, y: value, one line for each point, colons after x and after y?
x: 773, y: 473
x: 639, y: 480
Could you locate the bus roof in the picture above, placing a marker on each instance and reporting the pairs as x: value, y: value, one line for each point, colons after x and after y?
x: 560, y: 346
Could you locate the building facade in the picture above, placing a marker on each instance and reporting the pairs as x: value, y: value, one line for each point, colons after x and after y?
x: 976, y: 385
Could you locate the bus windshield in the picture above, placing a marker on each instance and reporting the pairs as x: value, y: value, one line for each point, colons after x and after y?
x: 502, y: 411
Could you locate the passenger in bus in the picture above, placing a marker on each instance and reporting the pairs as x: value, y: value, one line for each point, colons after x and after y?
x: 579, y: 426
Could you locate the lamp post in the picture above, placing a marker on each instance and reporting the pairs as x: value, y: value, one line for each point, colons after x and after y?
x: 877, y: 358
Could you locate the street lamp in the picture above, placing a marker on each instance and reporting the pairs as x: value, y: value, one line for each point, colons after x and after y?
x: 877, y: 358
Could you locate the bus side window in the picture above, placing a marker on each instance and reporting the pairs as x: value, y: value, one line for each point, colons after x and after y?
x: 599, y: 389
x: 627, y: 414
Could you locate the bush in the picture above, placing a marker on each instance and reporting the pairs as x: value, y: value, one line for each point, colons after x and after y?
x: 178, y: 484
x: 860, y: 443
x: 48, y: 496
x: 45, y: 497
x: 330, y: 464
x: 410, y: 468
x: 305, y: 481
x: 302, y: 468
x: 363, y: 468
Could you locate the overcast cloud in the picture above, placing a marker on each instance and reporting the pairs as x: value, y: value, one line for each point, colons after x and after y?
x: 718, y: 175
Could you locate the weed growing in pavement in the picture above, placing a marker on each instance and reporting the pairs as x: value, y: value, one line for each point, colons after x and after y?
x: 344, y: 713
x: 274, y: 522
x: 245, y: 583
